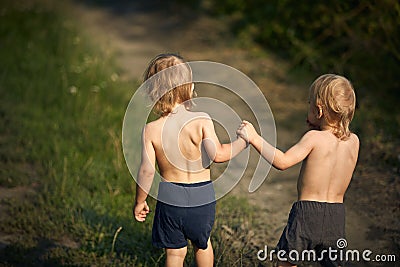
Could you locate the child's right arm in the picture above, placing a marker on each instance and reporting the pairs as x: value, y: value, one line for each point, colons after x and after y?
x: 145, y: 177
x: 216, y: 151
x: 278, y: 159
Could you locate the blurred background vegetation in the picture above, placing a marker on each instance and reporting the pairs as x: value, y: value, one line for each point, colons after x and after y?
x: 61, y: 112
x: 357, y: 39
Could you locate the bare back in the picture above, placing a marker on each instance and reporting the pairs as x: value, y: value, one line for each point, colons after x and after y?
x: 177, y: 142
x: 327, y: 170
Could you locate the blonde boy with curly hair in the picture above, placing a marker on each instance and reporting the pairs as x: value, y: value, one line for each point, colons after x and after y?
x: 329, y: 152
x: 183, y: 143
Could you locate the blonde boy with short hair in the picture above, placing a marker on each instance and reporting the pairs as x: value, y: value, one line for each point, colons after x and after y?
x: 329, y: 152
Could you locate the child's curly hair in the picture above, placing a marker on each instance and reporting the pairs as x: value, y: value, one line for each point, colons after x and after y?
x: 171, y: 85
x: 335, y: 95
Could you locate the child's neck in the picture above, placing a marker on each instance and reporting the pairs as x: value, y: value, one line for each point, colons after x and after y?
x: 325, y: 126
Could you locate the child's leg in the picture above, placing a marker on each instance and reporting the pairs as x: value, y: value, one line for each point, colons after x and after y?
x: 175, y: 256
x: 204, y: 257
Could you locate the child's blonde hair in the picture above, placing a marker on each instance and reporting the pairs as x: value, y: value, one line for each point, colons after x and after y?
x: 171, y: 86
x: 335, y: 95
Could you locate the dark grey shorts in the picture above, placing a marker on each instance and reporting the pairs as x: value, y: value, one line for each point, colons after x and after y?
x: 314, y: 226
x: 184, y: 211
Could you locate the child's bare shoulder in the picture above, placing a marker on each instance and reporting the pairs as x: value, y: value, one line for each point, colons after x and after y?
x: 312, y: 135
x: 203, y: 120
x: 354, y: 139
x: 153, y: 124
x: 314, y: 138
x: 201, y: 115
x: 151, y: 128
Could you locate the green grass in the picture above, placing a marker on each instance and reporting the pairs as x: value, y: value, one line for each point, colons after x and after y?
x: 61, y: 111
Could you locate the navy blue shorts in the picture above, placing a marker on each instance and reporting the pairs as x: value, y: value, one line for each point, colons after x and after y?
x: 184, y: 211
x: 315, y: 226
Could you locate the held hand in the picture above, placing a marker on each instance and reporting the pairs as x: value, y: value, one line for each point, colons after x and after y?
x: 241, y: 135
x: 140, y: 211
x: 247, y: 132
x: 241, y: 132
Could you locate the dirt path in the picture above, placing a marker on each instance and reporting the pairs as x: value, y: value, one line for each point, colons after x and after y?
x: 137, y: 31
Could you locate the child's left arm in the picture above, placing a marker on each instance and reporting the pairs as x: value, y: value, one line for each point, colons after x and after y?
x: 280, y: 160
x: 145, y: 177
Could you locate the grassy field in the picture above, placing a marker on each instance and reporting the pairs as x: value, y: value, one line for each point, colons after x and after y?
x: 67, y: 193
